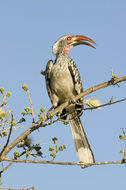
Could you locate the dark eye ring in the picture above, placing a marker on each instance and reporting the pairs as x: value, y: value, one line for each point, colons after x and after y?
x: 69, y: 38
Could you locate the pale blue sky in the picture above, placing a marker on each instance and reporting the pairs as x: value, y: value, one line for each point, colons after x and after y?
x: 28, y: 29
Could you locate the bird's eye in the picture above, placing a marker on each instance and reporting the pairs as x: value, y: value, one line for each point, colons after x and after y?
x: 69, y: 38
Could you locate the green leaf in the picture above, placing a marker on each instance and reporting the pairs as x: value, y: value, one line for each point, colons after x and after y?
x: 25, y: 87
x: 4, y: 102
x: 8, y: 94
x: 122, y: 151
x: 42, y: 110
x: 40, y: 116
x: 16, y: 154
x: 28, y: 153
x: 13, y: 123
x: 114, y: 76
x: 62, y: 147
x: 39, y: 153
x: 124, y: 159
x: 51, y: 148
x: 23, y: 113
x: 4, y: 134
x: 2, y: 114
x: 53, y: 154
x: 92, y: 102
x: 55, y: 140
x: 2, y: 91
x: 33, y: 187
x: 28, y: 109
x: 122, y: 137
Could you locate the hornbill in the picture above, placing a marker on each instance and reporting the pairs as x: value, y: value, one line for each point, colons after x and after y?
x: 63, y: 82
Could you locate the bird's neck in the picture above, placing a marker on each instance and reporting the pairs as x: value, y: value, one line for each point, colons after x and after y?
x: 62, y: 58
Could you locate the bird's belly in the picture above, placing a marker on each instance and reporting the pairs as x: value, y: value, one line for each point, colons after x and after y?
x: 63, y: 87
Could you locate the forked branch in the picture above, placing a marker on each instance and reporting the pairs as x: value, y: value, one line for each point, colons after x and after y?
x: 38, y: 124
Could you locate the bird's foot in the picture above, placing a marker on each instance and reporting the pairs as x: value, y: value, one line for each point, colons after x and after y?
x: 62, y: 118
x: 59, y: 115
x: 72, y: 101
x: 49, y: 115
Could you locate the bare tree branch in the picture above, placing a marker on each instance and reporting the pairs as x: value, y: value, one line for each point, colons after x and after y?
x: 33, y: 116
x: 38, y: 124
x: 8, y: 188
x: 103, y: 105
x: 87, y: 108
x: 89, y: 91
x: 11, y: 125
x: 63, y: 163
x: 5, y: 168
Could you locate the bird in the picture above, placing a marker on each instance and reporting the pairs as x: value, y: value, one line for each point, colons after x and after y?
x: 63, y: 82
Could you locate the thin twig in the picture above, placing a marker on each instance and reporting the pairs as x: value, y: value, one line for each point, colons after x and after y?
x: 5, y: 129
x: 62, y: 163
x: 11, y: 125
x: 5, y: 168
x: 33, y: 116
x: 51, y: 122
x: 8, y: 188
x: 89, y: 108
x: 103, y: 105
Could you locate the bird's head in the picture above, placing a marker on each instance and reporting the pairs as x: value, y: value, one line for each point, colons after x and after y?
x: 65, y: 43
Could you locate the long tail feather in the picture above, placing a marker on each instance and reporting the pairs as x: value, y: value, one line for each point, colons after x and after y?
x: 82, y: 146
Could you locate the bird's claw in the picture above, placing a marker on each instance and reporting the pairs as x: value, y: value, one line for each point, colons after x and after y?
x: 72, y: 101
x: 49, y: 116
x: 59, y: 115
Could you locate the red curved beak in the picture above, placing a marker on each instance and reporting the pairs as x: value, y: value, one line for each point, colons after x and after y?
x: 82, y: 40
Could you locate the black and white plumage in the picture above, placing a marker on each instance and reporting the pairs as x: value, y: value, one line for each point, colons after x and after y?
x: 63, y: 82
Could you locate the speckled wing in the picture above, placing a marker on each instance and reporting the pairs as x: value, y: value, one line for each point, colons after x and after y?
x: 47, y: 78
x: 76, y: 79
